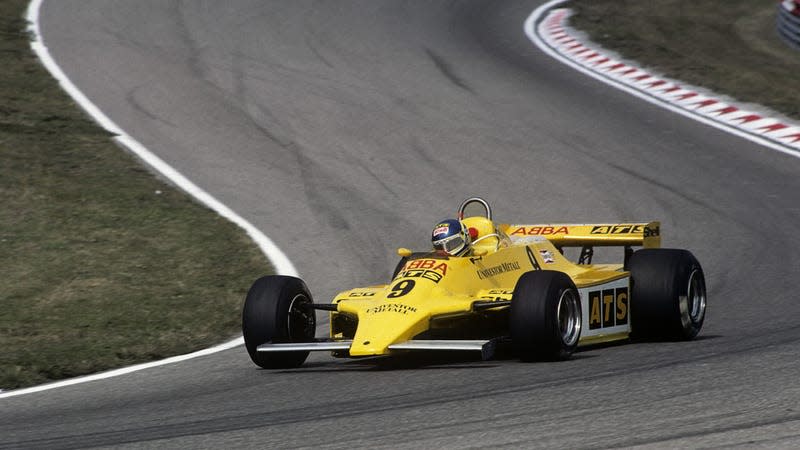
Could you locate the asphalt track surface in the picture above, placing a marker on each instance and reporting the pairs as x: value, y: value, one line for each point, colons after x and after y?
x: 346, y: 129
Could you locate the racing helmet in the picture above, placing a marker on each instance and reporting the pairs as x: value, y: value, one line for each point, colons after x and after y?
x: 451, y: 237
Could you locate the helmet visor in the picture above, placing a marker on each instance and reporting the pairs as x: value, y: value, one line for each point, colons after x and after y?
x: 451, y: 245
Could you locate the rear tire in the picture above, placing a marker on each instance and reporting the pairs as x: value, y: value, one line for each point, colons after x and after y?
x: 668, y: 294
x: 278, y: 309
x: 545, y: 316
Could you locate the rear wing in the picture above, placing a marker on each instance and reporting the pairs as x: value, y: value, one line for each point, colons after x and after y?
x: 647, y: 235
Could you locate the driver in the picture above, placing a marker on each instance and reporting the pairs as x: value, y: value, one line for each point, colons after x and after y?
x: 451, y: 237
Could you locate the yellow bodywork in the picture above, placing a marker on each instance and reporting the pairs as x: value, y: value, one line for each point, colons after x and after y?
x: 432, y: 289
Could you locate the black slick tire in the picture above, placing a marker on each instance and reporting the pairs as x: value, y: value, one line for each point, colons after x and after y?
x: 278, y: 309
x: 545, y: 316
x: 668, y: 294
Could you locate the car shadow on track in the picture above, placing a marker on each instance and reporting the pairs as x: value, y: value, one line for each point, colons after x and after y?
x: 429, y: 360
x: 444, y: 360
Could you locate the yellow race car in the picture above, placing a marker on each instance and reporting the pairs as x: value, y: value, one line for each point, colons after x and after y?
x: 507, y: 284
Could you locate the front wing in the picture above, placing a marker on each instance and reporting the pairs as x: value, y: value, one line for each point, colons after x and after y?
x: 486, y: 347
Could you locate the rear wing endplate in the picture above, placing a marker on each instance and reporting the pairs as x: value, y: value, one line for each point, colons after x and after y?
x: 647, y: 235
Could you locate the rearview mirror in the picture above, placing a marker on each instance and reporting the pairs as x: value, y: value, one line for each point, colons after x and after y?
x: 404, y: 252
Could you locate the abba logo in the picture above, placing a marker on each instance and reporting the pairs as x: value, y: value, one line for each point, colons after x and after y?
x: 429, y: 269
x: 427, y: 264
x: 533, y: 231
x: 608, y: 308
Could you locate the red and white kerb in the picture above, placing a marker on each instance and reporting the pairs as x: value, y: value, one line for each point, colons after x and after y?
x: 563, y: 40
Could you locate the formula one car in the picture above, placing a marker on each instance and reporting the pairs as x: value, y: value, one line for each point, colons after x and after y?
x: 515, y: 287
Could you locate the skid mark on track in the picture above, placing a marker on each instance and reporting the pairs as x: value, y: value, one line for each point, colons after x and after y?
x: 132, y: 98
x: 447, y: 70
x: 317, y: 53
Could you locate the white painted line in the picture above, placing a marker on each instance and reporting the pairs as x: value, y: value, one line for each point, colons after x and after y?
x: 546, y: 27
x: 123, y: 371
x: 277, y: 258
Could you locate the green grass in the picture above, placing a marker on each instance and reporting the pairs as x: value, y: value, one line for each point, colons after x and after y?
x: 731, y: 47
x: 101, y: 264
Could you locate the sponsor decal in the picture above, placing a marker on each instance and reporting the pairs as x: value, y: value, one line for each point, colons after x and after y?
x: 496, y: 295
x: 501, y: 291
x: 652, y: 232
x: 441, y: 229
x: 617, y: 229
x: 528, y: 239
x: 547, y: 257
x: 532, y: 231
x: 392, y: 307
x: 497, y: 270
x: 608, y: 308
x: 427, y: 264
x: 361, y: 294
x: 422, y: 273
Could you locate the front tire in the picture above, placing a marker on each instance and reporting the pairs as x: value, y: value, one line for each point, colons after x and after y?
x: 545, y: 316
x: 668, y: 294
x: 278, y: 309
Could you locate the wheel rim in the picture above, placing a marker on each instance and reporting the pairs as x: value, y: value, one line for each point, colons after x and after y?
x: 301, y: 321
x: 696, y: 295
x: 569, y: 320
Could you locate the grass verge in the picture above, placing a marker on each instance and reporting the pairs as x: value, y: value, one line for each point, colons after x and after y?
x: 101, y: 264
x: 730, y: 47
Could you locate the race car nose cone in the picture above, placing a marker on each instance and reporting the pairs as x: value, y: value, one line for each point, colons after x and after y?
x: 365, y: 349
x: 386, y: 324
